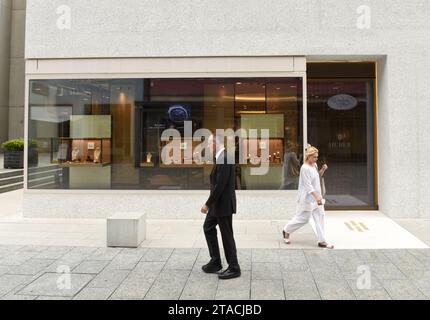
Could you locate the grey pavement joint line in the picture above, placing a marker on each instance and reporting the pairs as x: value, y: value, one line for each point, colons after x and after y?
x: 313, y: 276
x: 411, y: 282
x: 97, y: 273
x: 250, y: 276
x: 27, y: 284
x: 158, y: 275
x: 191, y: 271
x: 398, y: 263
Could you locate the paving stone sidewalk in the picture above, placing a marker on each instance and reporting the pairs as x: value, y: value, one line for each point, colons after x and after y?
x: 38, y: 272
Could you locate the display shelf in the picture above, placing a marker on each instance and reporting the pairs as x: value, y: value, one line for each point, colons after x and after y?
x: 76, y: 152
x: 83, y: 164
x: 147, y: 164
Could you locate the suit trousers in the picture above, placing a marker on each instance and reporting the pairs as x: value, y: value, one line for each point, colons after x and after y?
x: 226, y: 227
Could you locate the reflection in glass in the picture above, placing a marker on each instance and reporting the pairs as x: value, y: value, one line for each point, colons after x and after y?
x: 106, y: 133
x: 340, y: 124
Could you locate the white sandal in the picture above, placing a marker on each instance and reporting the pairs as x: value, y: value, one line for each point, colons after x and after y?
x: 325, y: 245
x: 286, y: 240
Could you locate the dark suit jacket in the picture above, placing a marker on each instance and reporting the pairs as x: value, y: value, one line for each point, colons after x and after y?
x: 222, y: 198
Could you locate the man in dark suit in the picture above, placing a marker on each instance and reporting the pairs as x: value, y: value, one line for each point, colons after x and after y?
x: 219, y: 209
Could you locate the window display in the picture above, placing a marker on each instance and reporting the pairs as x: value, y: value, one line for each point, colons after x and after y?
x: 341, y: 123
x: 81, y: 152
x: 106, y: 133
x: 275, y: 150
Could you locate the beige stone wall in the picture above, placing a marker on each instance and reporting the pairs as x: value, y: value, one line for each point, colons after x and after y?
x: 17, y: 70
x: 12, y: 71
x: 398, y: 40
x: 5, y: 18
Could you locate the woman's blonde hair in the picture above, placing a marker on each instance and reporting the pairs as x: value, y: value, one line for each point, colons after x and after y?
x: 310, y: 150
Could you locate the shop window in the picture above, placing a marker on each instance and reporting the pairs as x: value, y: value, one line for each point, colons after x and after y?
x: 340, y: 123
x: 106, y: 133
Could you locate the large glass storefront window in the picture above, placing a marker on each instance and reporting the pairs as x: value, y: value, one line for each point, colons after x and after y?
x: 106, y: 134
x: 340, y: 122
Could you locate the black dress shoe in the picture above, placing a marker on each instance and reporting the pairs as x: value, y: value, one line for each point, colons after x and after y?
x: 212, y: 267
x: 229, y: 274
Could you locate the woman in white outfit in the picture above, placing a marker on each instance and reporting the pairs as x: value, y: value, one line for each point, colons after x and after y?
x: 309, y: 199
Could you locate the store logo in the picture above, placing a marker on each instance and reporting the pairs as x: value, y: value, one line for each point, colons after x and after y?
x: 253, y: 147
x: 356, y: 226
x: 178, y: 113
x: 342, y: 102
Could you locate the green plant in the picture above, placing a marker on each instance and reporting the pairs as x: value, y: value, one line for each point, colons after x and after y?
x: 17, y: 144
x: 32, y: 143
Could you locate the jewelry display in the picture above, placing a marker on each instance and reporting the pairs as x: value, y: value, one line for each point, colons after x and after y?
x: 75, y: 154
x: 148, y: 157
x: 81, y: 151
x: 97, y: 153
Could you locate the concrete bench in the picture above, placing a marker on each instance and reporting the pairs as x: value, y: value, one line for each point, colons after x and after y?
x: 126, y: 229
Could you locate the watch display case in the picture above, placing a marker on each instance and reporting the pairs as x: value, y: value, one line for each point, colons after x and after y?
x: 68, y: 152
x: 273, y: 149
x: 85, y: 155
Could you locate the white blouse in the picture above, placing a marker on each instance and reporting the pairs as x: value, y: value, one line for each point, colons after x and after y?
x: 309, y: 182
